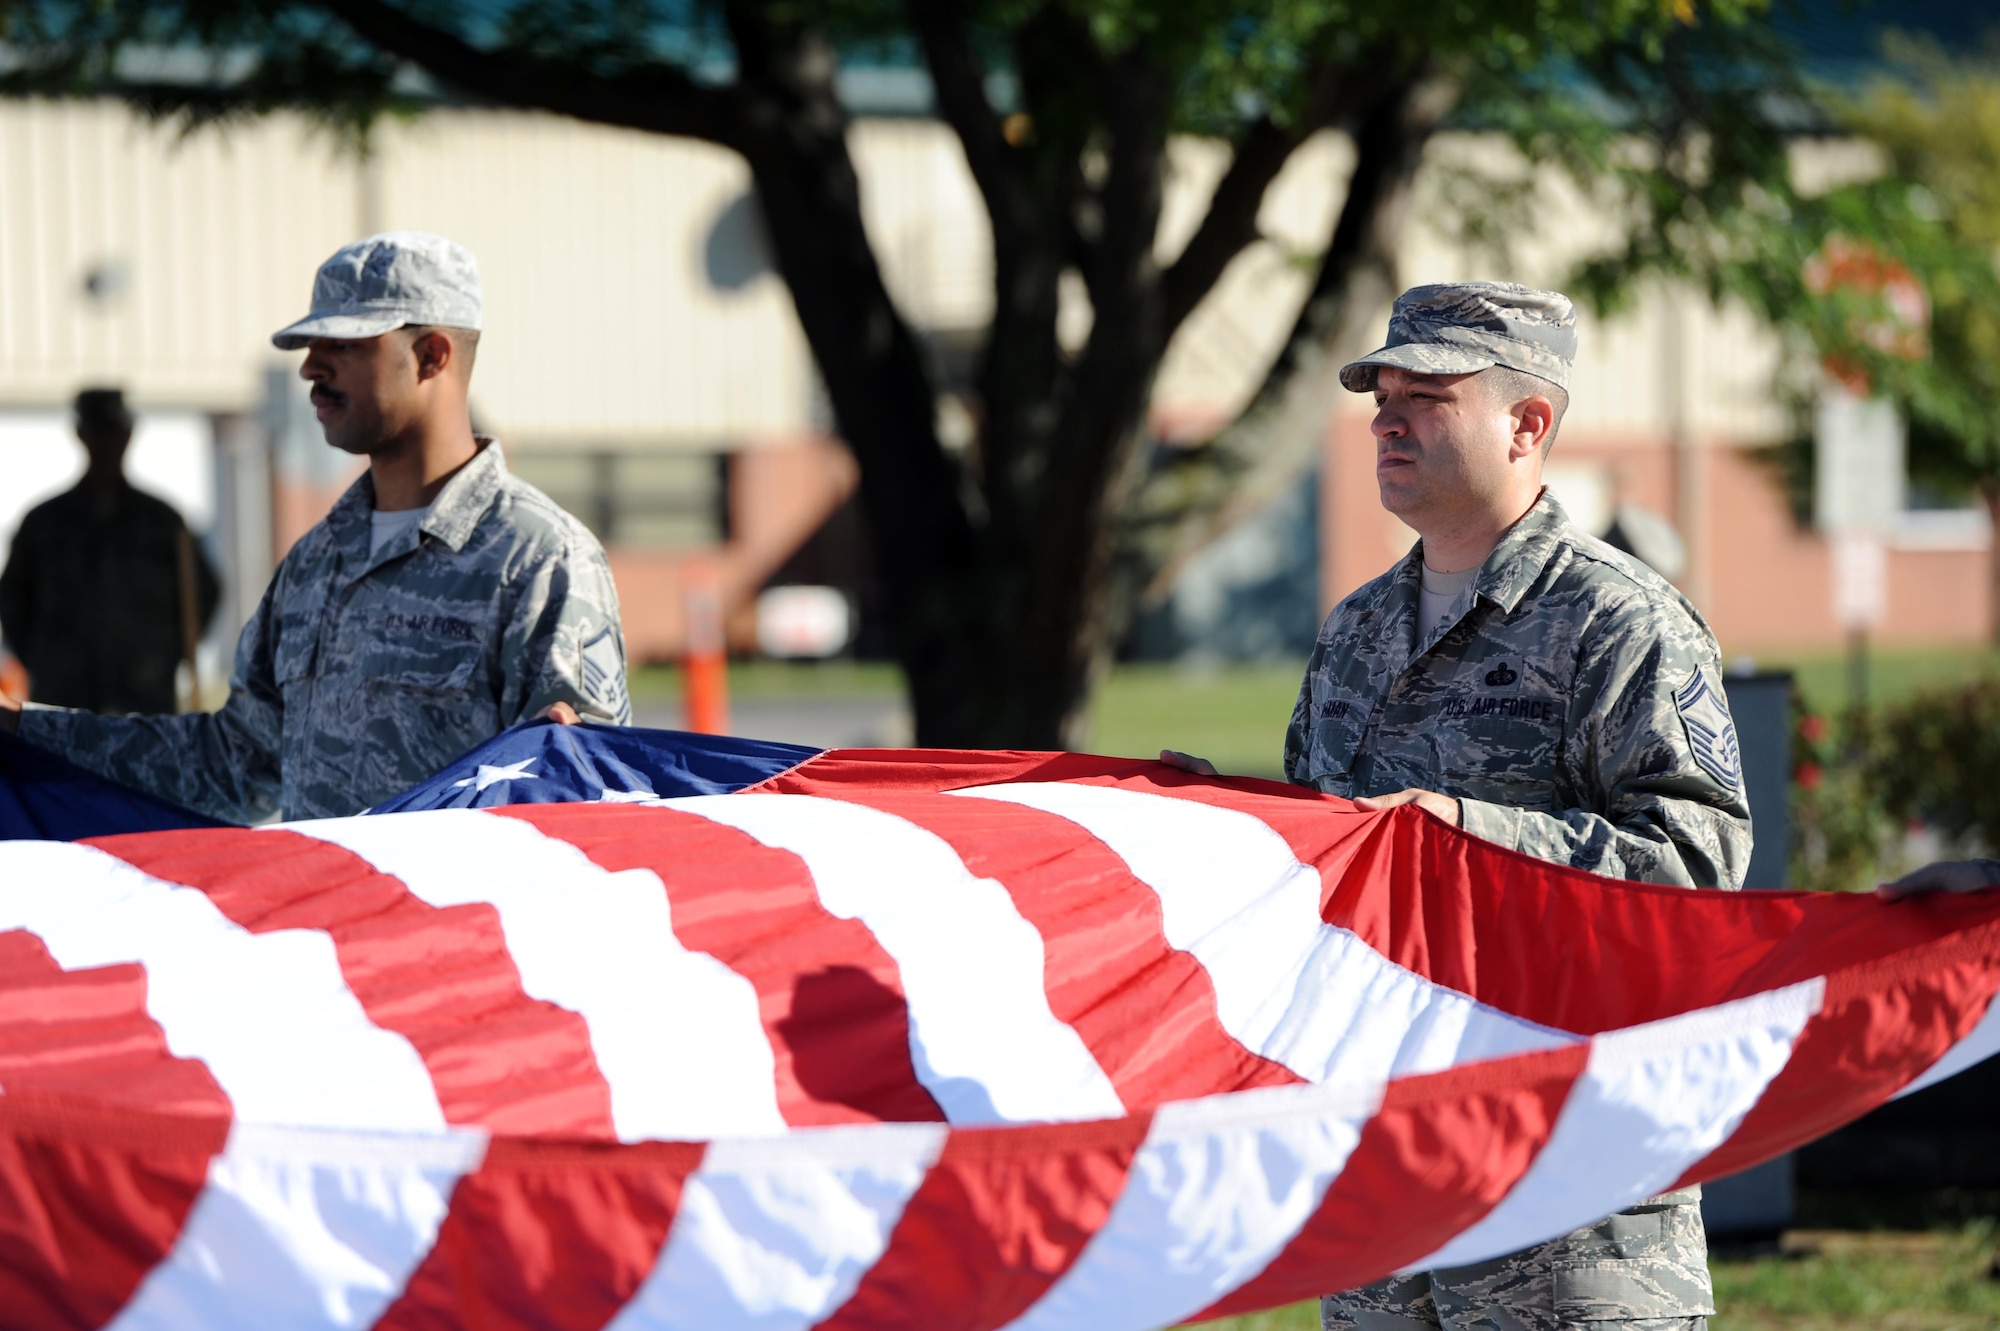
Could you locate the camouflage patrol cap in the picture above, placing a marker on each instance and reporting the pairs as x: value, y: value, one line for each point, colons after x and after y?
x: 1462, y: 327
x: 386, y: 281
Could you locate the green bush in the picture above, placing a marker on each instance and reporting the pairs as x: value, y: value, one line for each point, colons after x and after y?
x: 1938, y: 759
x: 1843, y: 835
x: 1857, y: 788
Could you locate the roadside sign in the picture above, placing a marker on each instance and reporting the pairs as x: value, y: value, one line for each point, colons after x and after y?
x: 1859, y: 444
x: 1860, y: 579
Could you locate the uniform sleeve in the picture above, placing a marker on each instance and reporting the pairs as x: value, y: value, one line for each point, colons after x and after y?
x: 1298, y: 732
x: 226, y: 764
x: 1652, y: 757
x: 563, y: 641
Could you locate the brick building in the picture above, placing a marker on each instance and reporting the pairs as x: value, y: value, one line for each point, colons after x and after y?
x: 643, y: 364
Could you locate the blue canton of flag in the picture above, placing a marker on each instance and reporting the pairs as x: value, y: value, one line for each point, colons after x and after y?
x: 540, y: 762
x: 46, y: 797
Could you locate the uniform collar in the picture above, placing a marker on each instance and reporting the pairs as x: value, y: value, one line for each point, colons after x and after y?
x: 1513, y: 567
x: 454, y: 513
x: 467, y: 495
x: 1517, y: 562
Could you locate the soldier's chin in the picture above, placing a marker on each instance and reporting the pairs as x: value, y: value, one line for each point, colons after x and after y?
x: 360, y: 443
x: 1400, y: 497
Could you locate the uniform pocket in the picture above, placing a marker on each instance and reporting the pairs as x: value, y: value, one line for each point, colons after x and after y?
x: 1333, y: 738
x: 1649, y: 1262
x: 292, y: 659
x: 424, y: 668
x: 1502, y: 748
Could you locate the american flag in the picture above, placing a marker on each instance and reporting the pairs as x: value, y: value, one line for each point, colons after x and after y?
x: 889, y: 1039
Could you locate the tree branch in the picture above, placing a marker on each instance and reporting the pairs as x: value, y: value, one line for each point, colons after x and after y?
x: 794, y: 134
x: 1243, y: 467
x: 1104, y: 409
x: 961, y: 99
x: 1023, y: 369
x: 1260, y: 154
x: 656, y: 96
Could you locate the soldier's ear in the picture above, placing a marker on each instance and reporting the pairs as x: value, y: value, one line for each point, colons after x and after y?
x: 433, y: 351
x: 1534, y: 426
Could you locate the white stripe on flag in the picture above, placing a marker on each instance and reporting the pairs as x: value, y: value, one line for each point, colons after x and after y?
x: 774, y: 1235
x: 677, y: 1034
x: 304, y: 1054
x: 1288, y: 985
x: 1217, y: 1191
x: 1980, y: 1043
x: 982, y: 1037
x: 305, y: 1230
x: 1652, y: 1101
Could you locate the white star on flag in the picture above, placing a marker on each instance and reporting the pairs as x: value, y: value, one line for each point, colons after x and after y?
x: 490, y: 775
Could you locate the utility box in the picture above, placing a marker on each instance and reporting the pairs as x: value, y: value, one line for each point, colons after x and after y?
x: 1761, y: 1201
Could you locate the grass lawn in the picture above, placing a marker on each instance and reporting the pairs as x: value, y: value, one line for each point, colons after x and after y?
x: 1939, y: 1280
x: 1298, y: 1317
x: 1893, y: 674
x: 1235, y: 715
x: 1822, y: 1280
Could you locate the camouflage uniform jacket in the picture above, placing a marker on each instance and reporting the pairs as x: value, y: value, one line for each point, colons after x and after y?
x: 360, y: 675
x: 1575, y: 710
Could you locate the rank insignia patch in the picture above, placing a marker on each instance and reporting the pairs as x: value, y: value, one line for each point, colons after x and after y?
x: 1710, y: 731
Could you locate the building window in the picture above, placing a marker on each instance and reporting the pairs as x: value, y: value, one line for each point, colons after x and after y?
x: 640, y: 501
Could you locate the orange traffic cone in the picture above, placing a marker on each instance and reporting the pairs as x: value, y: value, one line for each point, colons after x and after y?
x: 707, y: 655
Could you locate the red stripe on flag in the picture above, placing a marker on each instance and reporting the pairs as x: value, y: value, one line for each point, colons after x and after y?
x: 839, y: 773
x: 1446, y: 904
x: 1144, y: 1009
x: 1442, y: 1151
x: 995, y: 1223
x: 546, y: 1236
x: 1881, y: 1027
x: 91, y: 1199
x: 84, y: 1215
x: 441, y: 978
x: 88, y: 1033
x: 830, y: 997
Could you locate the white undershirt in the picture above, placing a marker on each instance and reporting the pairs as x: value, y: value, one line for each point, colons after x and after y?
x: 1438, y: 595
x: 386, y: 527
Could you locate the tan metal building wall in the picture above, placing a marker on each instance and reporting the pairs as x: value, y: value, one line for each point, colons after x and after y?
x: 628, y: 305
x: 202, y: 246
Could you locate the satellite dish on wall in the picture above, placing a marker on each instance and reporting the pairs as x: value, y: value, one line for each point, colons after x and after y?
x: 737, y: 250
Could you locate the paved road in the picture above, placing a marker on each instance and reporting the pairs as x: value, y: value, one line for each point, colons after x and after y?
x: 824, y: 723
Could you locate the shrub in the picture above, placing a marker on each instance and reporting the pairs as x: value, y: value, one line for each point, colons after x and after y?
x: 1844, y: 838
x: 1938, y: 758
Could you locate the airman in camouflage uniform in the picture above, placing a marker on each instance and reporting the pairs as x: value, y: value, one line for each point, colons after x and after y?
x: 374, y: 658
x: 1570, y: 702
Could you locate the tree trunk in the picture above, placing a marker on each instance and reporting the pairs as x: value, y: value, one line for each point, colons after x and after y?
x: 998, y: 576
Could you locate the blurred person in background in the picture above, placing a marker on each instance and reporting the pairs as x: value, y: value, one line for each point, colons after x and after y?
x: 105, y: 593
x: 439, y: 602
